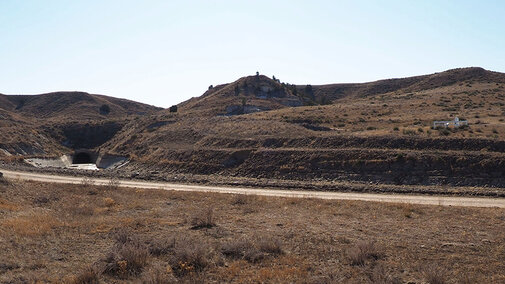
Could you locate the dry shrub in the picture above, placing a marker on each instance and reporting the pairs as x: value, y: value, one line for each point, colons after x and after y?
x: 363, y: 251
x: 163, y: 246
x: 236, y: 249
x: 241, y: 199
x: 82, y: 210
x: 128, y: 256
x: 380, y: 275
x: 90, y: 275
x: 435, y: 274
x: 113, y: 183
x: 252, y: 252
x: 87, y: 182
x: 203, y: 219
x: 189, y: 256
x: 109, y: 202
x: 35, y: 224
x: 158, y: 274
x: 269, y: 245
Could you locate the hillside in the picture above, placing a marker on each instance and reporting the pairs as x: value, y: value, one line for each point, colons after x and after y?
x: 378, y: 132
x: 406, y: 85
x: 48, y: 124
x: 246, y: 95
x: 371, y: 133
x: 260, y: 93
x: 72, y: 106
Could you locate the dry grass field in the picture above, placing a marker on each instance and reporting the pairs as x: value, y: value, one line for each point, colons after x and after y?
x: 91, y: 234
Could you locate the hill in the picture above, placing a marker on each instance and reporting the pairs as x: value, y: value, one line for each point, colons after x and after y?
x: 378, y: 132
x: 246, y: 95
x: 371, y: 133
x: 72, y: 105
x: 260, y: 93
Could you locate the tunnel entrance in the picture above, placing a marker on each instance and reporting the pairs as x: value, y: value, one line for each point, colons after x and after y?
x: 82, y: 158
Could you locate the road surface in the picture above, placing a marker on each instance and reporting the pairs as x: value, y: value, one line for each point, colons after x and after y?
x: 392, y: 198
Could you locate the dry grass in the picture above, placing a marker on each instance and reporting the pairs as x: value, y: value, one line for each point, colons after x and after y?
x: 32, y: 225
x: 278, y: 240
x: 435, y: 274
x: 90, y: 275
x: 6, y: 205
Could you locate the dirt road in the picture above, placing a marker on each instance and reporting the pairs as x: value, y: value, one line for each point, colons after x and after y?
x: 393, y: 198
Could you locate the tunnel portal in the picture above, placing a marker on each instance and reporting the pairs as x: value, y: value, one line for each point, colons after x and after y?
x: 82, y: 158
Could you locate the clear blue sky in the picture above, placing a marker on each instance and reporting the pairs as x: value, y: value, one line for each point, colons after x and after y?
x: 164, y: 52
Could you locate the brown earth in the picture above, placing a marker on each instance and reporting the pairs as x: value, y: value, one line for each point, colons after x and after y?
x: 77, y: 233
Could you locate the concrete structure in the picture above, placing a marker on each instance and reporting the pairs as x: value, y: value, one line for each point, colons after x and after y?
x: 454, y: 123
x: 82, y: 159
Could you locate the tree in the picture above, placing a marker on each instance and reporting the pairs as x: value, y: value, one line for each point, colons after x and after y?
x: 104, y: 109
x: 211, y: 86
x: 257, y: 73
x: 173, y: 108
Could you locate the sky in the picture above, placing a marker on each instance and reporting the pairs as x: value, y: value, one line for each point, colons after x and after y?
x: 164, y: 52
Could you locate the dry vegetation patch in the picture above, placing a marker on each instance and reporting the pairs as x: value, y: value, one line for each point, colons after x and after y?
x: 32, y: 224
x: 254, y: 240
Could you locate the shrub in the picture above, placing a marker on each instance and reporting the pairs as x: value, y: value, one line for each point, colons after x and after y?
x: 380, y: 275
x: 396, y: 129
x: 104, y: 109
x: 495, y: 131
x: 371, y: 128
x: 189, y: 256
x: 363, y: 251
x: 241, y: 199
x: 203, y: 219
x: 90, y: 275
x: 128, y: 256
x: 269, y: 245
x: 158, y: 274
x: 444, y: 132
x: 420, y: 129
x: 173, y: 108
x: 236, y: 249
x: 409, y: 132
x: 435, y: 275
x: 162, y: 246
x: 109, y: 202
x: 113, y: 183
x: 87, y: 182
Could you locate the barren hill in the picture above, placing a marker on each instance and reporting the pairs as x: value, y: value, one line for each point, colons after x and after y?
x: 72, y: 105
x: 260, y: 93
x: 410, y: 84
x: 256, y: 127
x: 246, y: 95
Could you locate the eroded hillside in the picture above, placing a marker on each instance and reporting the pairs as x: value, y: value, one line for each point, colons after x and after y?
x: 371, y: 133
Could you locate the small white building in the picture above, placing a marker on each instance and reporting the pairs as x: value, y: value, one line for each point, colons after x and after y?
x: 454, y: 123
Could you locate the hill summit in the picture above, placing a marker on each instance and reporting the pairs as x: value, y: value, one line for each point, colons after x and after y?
x: 245, y: 95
